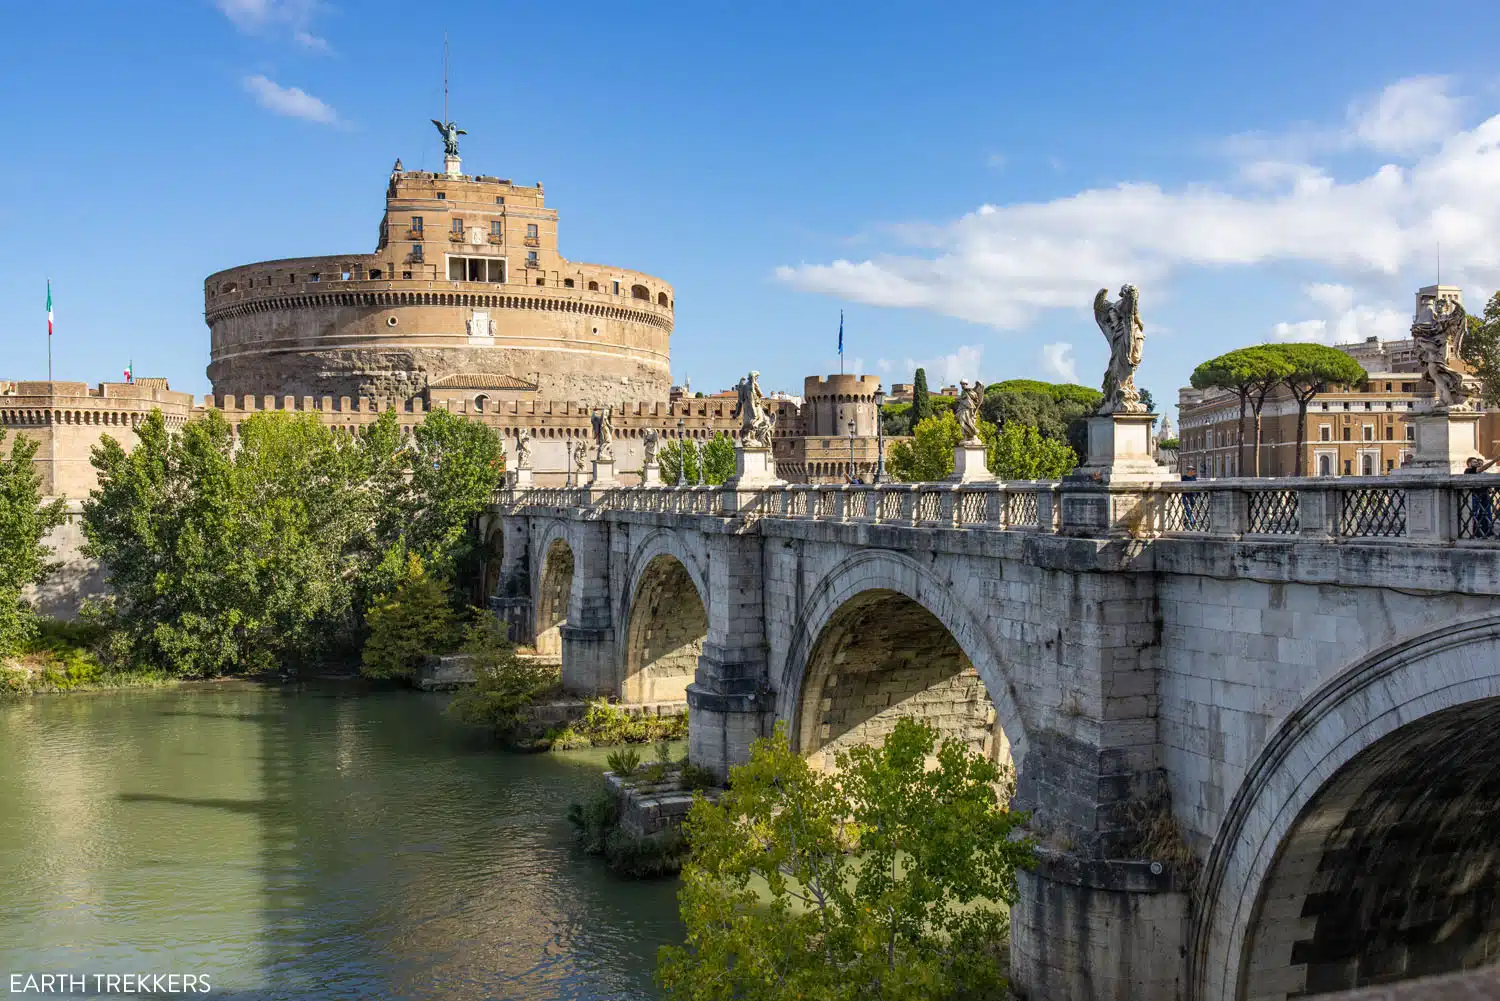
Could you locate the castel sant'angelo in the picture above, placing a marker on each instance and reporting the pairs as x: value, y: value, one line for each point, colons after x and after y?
x: 466, y: 303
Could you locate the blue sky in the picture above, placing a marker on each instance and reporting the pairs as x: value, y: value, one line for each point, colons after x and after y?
x: 958, y: 178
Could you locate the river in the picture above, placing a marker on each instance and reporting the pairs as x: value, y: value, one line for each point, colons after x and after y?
x: 307, y: 844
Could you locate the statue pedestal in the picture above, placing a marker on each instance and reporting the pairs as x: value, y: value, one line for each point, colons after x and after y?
x: 1445, y: 442
x: 1120, y: 451
x: 521, y: 478
x: 451, y: 166
x: 969, y: 464
x: 753, y: 466
x: 651, y: 474
x: 604, y: 472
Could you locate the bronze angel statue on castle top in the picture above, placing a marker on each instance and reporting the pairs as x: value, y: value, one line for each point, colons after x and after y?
x: 450, y: 133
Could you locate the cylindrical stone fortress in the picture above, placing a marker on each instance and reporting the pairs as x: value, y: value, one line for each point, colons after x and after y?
x: 466, y: 280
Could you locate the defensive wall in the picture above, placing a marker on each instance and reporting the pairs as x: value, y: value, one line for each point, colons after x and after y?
x: 1253, y: 720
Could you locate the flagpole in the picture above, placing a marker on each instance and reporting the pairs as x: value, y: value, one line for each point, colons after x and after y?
x: 49, y: 335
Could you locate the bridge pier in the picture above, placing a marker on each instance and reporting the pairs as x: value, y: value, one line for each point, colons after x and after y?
x: 588, y: 635
x: 730, y: 701
x: 512, y: 600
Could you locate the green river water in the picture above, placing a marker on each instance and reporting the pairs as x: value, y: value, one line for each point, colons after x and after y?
x: 307, y: 844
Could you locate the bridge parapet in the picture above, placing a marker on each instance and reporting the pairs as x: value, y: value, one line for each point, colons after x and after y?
x: 1431, y: 509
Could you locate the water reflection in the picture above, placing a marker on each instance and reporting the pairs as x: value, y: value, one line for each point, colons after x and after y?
x: 306, y: 845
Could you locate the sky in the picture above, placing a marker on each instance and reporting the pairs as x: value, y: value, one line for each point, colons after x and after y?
x: 959, y: 179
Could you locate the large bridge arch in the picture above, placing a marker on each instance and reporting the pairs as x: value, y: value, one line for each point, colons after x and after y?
x: 552, y: 586
x: 664, y: 612
x: 1360, y: 846
x: 875, y: 587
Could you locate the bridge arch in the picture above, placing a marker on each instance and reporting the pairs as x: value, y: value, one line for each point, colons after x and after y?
x: 664, y: 609
x: 553, y: 587
x: 852, y: 616
x: 1357, y: 848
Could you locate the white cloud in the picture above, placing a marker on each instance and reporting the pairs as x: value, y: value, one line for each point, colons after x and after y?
x: 290, y: 101
x: 1001, y: 264
x: 1408, y: 115
x: 947, y: 370
x: 1058, y: 362
x: 1342, y: 320
x: 262, y: 16
x: 884, y: 366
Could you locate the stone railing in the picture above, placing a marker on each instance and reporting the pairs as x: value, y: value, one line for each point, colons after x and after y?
x: 1427, y: 509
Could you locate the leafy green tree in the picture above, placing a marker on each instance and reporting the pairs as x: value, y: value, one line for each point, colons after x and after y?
x: 1058, y: 411
x: 679, y: 460
x: 1481, y: 350
x: 928, y: 456
x: 887, y: 880
x: 224, y: 559
x: 456, y: 464
x: 1250, y: 373
x: 896, y: 418
x: 921, y: 400
x: 1147, y: 401
x: 25, y: 520
x: 1313, y: 369
x: 1020, y: 452
x: 413, y: 622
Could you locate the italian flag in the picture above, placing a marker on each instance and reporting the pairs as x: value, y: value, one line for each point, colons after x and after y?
x: 49, y: 307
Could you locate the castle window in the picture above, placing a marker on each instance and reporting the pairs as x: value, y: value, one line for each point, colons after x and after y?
x: 541, y: 281
x: 406, y: 276
x: 567, y: 283
x: 617, y: 288
x: 479, y: 402
x: 531, y: 230
x: 661, y: 298
x: 495, y: 229
x: 1411, y: 432
x: 640, y: 292
x: 593, y: 286
x: 458, y: 226
x: 1347, y: 432
x: 531, y: 259
x: 1408, y: 387
x: 442, y: 196
x: 416, y: 253
x: 499, y: 199
x: 1324, y: 406
x: 374, y: 274
x: 416, y: 224
x: 1348, y: 465
x: 1369, y: 432
x: 1390, y: 433
x: 476, y: 269
x: 1325, y: 433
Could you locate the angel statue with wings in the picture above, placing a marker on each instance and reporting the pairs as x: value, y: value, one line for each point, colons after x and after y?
x: 1121, y: 324
x: 756, y: 424
x: 966, y: 410
x: 450, y: 133
x: 1438, y: 335
x: 649, y: 442
x: 523, y: 448
x: 604, y: 433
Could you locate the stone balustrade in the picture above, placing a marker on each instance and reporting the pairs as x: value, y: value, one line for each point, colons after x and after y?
x: 1433, y: 509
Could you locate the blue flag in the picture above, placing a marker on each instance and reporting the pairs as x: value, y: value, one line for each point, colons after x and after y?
x: 841, y: 331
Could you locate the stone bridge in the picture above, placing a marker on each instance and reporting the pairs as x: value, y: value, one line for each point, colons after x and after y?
x: 1257, y: 721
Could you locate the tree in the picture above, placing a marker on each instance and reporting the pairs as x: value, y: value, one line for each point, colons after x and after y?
x: 928, y: 456
x: 1147, y: 401
x: 1250, y: 373
x: 1314, y: 368
x: 921, y: 400
x: 414, y: 621
x: 224, y: 559
x: 1020, y: 452
x: 1059, y: 411
x: 1481, y: 350
x: 504, y: 685
x: 25, y: 520
x: 888, y: 879
x: 679, y: 460
x: 455, y: 467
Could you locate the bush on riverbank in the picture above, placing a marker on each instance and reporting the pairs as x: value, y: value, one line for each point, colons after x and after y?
x: 886, y: 879
x: 68, y: 656
x: 605, y: 724
x: 596, y: 823
x: 505, y: 685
